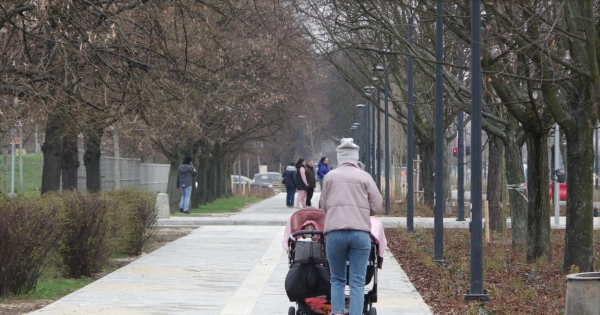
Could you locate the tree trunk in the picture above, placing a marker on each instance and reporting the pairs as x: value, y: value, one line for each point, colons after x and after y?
x: 70, y: 161
x: 427, y: 170
x: 447, y: 186
x: 202, y: 191
x: 212, y: 180
x: 52, y: 151
x: 172, y: 190
x: 4, y: 144
x: 579, y: 233
x: 193, y: 201
x: 518, y: 200
x: 538, y: 218
x: 495, y: 183
x: 91, y: 160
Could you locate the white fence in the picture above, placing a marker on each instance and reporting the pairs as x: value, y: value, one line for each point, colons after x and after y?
x: 134, y: 174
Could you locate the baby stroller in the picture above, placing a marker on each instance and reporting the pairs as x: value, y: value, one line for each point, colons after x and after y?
x: 307, y: 281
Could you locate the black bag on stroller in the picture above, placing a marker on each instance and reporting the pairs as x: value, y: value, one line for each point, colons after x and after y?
x: 307, y: 280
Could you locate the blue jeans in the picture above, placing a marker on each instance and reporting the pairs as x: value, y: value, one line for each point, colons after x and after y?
x: 186, y: 192
x: 289, y: 199
x: 353, y: 246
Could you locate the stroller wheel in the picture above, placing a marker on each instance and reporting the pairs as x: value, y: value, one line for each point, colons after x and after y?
x: 373, y: 311
x: 292, y: 310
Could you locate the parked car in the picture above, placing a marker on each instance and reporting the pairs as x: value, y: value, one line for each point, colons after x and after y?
x: 243, y: 180
x: 268, y: 177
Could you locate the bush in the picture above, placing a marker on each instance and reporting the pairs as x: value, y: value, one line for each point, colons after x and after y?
x: 132, y: 218
x: 83, y: 246
x: 29, y: 230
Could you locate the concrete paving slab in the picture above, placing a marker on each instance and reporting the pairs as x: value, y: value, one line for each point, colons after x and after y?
x: 218, y: 270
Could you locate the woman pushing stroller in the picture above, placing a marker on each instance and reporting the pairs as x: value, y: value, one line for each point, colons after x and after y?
x: 349, y: 197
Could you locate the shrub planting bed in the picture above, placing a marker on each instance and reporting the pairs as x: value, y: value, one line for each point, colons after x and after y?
x: 514, y: 286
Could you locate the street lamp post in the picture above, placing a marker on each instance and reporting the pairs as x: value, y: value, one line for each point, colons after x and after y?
x: 370, y: 131
x: 438, y: 221
x: 302, y: 149
x: 410, y: 137
x: 386, y: 91
x: 355, y: 127
x: 357, y: 136
x: 476, y: 291
x: 374, y: 144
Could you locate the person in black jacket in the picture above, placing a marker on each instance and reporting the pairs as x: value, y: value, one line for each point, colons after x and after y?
x: 310, y: 179
x: 289, y: 180
x: 301, y: 183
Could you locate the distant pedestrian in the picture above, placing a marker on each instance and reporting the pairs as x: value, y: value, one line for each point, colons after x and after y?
x: 310, y: 179
x: 301, y: 183
x: 560, y: 175
x: 290, y: 184
x: 322, y: 169
x: 596, y: 212
x: 184, y: 181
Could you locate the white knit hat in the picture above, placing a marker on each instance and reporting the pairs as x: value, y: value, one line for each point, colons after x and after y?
x: 347, y: 151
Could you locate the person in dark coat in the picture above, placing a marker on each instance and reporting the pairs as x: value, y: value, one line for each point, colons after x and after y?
x: 310, y: 179
x: 185, y: 174
x: 289, y: 180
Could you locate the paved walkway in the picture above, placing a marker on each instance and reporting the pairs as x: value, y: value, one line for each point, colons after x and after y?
x: 229, y: 265
x: 273, y: 212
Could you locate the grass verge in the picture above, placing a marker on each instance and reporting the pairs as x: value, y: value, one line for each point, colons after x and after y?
x: 33, y: 165
x: 231, y: 204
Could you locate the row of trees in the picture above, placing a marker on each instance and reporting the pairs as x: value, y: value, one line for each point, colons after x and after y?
x: 540, y: 67
x: 198, y: 78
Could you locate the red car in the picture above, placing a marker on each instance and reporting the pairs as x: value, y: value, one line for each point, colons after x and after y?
x: 562, y: 191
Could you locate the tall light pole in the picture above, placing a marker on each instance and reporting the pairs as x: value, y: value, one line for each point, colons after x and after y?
x: 370, y: 160
x: 386, y: 91
x: 596, y: 156
x: 353, y: 128
x: 438, y: 220
x: 410, y: 136
x: 358, y: 137
x: 376, y: 138
x: 302, y: 149
x: 378, y: 141
x: 476, y: 291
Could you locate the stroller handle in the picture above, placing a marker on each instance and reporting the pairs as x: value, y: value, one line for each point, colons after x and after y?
x: 320, y: 232
x: 306, y: 232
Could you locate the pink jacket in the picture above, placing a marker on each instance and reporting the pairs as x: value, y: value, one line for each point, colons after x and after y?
x: 349, y: 197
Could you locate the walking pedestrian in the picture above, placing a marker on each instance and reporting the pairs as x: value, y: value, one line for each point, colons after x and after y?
x: 322, y: 170
x: 310, y: 179
x: 301, y: 183
x: 349, y: 197
x: 184, y: 181
x: 290, y: 184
